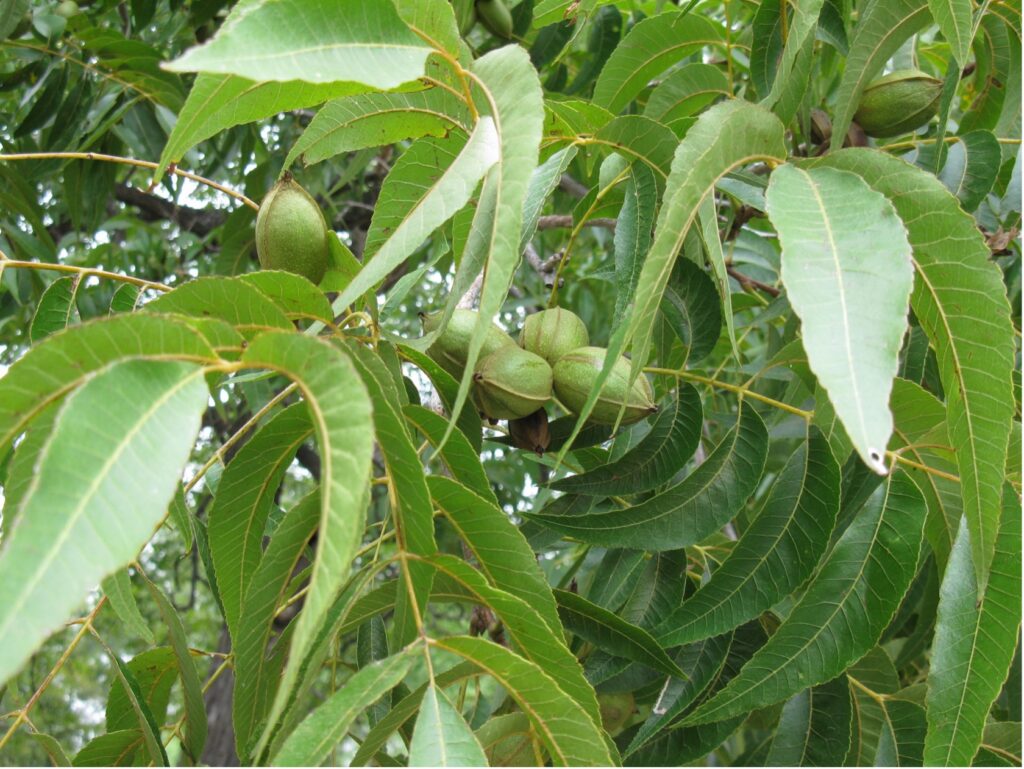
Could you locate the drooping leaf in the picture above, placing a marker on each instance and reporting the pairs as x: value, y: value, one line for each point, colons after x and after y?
x: 882, y: 27
x: 848, y: 275
x: 375, y: 119
x: 458, y: 454
x: 231, y: 299
x: 513, y: 94
x: 103, y: 482
x: 633, y: 232
x: 217, y: 102
x: 647, y: 50
x: 956, y: 284
x: 64, y: 360
x: 684, y: 514
x: 408, y: 185
x: 610, y: 632
x: 725, y: 136
x: 975, y: 638
x: 691, y: 308
x: 110, y: 749
x: 407, y: 487
x: 312, y: 42
x: 267, y: 588
x: 296, y: 296
x: 445, y: 196
x: 243, y: 501
x: 972, y: 164
x: 652, y: 462
x: 195, y: 708
x: 118, y: 590
x: 775, y: 555
x: 441, y: 736
x: 500, y: 549
x: 843, y: 612
x: 341, y: 412
x: 56, y: 308
x: 565, y: 729
x: 954, y: 18
x: 325, y: 727
x: 814, y: 728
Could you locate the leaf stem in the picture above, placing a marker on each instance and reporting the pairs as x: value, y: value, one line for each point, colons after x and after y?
x: 740, y: 389
x: 132, y: 162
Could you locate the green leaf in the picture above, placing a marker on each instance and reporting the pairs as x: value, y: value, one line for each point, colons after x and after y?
x: 647, y: 50
x: 499, y: 547
x: 342, y: 418
x: 848, y: 275
x: 155, y: 671
x: 21, y: 467
x: 53, y: 749
x: 537, y: 641
x: 686, y: 513
x: 791, y: 75
x: 244, y: 499
x: 702, y: 662
x: 375, y: 119
x: 231, y: 299
x: 954, y: 18
x: 633, y: 232
x: 408, y: 185
x: 447, y: 390
x: 64, y: 360
x: 313, y: 41
x: 564, y: 728
x: 1001, y: 745
x: 975, y: 639
x: 972, y: 164
x: 103, y: 483
x: 727, y: 135
x: 328, y: 724
x: 612, y: 633
x: 441, y: 736
x: 110, y: 749
x: 56, y: 308
x: 955, y: 286
x: 125, y: 298
x: 814, y: 728
x: 11, y: 14
x: 405, y: 709
x: 296, y: 296
x: 776, y: 554
x: 890, y: 732
x: 445, y: 196
x: 654, y: 460
x: 195, y: 708
x: 458, y: 454
x: 218, y: 102
x: 543, y: 182
x: 143, y: 716
x: 690, y: 304
x: 514, y: 100
x: 407, y: 486
x: 118, y: 590
x: 685, y: 92
x: 843, y: 612
x: 267, y: 589
x: 507, y: 740
x: 639, y: 138
x: 882, y: 27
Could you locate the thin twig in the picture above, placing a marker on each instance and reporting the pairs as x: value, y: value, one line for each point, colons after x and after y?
x: 132, y: 162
